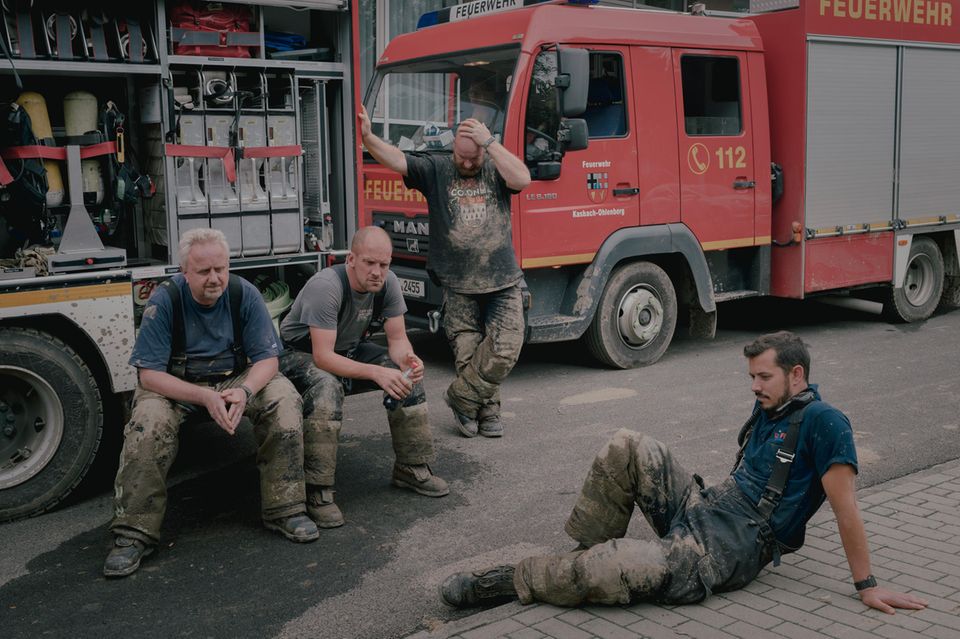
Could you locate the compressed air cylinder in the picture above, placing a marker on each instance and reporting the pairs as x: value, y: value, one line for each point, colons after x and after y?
x: 80, y: 117
x: 36, y: 107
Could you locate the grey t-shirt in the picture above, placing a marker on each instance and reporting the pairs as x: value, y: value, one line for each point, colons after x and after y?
x: 318, y: 305
x: 471, y: 243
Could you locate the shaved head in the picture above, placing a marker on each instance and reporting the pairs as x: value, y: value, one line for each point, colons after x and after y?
x: 370, y: 237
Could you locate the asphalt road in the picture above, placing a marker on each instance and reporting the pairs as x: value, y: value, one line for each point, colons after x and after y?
x: 220, y: 574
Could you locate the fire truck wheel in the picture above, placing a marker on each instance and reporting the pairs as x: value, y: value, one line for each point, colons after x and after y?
x: 950, y: 298
x: 636, y: 317
x: 51, y: 417
x: 922, y: 285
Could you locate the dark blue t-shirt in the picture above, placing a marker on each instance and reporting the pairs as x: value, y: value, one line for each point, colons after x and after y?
x: 825, y: 439
x: 208, y: 331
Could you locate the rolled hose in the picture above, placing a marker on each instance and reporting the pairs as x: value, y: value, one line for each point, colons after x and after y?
x: 276, y: 295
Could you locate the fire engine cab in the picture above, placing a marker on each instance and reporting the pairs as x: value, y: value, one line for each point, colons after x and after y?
x: 683, y: 160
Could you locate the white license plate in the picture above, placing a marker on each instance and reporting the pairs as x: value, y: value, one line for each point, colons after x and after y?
x: 412, y: 288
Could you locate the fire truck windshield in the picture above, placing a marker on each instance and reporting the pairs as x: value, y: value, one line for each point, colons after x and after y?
x: 417, y: 106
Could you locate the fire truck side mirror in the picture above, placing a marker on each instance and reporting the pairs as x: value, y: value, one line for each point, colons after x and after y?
x: 573, y: 134
x: 572, y: 80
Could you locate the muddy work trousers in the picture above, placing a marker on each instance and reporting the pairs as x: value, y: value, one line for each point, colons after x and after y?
x: 323, y: 395
x: 486, y: 334
x: 151, y: 441
x: 709, y: 538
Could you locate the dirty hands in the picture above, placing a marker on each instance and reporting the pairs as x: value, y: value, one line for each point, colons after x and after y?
x: 475, y: 130
x: 415, y: 364
x: 226, y: 407
x: 886, y: 600
x: 393, y: 381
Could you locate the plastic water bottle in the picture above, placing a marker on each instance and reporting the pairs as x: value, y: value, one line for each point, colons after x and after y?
x: 56, y: 235
x: 389, y: 402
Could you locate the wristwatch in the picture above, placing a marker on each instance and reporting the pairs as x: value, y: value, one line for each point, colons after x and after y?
x: 489, y: 141
x: 246, y: 391
x: 869, y: 582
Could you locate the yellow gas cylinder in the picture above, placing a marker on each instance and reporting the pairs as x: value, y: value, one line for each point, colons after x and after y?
x: 36, y: 107
x: 80, y: 117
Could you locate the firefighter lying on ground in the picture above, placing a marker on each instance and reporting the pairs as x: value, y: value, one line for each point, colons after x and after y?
x: 712, y: 539
x: 328, y: 356
x: 205, y: 344
x: 468, y: 196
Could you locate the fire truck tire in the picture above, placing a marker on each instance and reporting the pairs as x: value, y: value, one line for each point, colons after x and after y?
x: 922, y: 285
x: 636, y: 317
x: 950, y: 298
x: 51, y: 419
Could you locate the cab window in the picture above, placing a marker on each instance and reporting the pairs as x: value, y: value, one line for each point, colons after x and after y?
x: 543, y: 116
x: 606, y: 113
x: 711, y: 95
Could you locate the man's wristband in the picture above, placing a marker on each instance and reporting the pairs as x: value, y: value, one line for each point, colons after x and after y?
x: 246, y: 391
x: 869, y: 582
x: 489, y: 141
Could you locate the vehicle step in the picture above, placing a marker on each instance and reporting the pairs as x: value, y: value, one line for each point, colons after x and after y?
x: 726, y: 296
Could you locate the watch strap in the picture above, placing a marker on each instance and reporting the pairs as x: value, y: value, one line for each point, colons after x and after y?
x: 869, y: 582
x: 488, y: 142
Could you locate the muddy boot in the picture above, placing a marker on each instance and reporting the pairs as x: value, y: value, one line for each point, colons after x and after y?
x: 296, y: 528
x: 491, y: 426
x: 419, y: 479
x: 484, y: 588
x: 467, y: 425
x: 124, y: 559
x: 321, y: 509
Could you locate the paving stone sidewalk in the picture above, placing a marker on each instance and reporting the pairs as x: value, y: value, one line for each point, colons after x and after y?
x: 913, y: 526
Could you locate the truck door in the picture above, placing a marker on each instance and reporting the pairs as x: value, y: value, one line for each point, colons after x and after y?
x: 565, y: 220
x: 718, y: 173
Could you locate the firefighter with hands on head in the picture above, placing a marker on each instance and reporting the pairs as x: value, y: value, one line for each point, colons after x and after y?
x: 328, y: 356
x: 712, y: 539
x: 468, y: 196
x: 206, y: 342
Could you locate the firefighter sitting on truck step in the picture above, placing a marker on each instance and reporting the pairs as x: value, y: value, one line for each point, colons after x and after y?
x: 206, y: 342
x: 328, y: 356
x: 471, y: 254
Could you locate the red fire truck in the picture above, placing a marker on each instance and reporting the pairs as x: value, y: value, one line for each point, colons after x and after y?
x: 683, y: 160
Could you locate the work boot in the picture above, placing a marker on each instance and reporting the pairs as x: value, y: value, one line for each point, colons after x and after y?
x: 124, y: 558
x: 298, y: 528
x: 467, y: 425
x: 321, y: 509
x: 419, y: 479
x: 491, y: 426
x: 485, y: 588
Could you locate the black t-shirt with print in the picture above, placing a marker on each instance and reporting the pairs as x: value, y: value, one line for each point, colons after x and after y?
x: 471, y: 243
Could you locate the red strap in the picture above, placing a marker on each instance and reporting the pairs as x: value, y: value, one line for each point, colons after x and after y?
x: 5, y: 177
x: 271, y: 151
x: 96, y: 150
x: 38, y: 151
x: 224, y: 153
x: 34, y: 152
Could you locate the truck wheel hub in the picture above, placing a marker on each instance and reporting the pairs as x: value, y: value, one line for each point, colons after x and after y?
x: 640, y: 316
x: 32, y: 413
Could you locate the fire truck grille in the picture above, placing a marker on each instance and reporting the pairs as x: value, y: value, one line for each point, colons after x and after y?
x: 410, y: 236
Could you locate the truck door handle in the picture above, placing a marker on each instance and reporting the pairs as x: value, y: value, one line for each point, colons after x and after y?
x: 626, y: 192
x: 744, y: 184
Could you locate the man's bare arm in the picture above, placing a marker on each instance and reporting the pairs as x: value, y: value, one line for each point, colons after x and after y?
x: 514, y: 172
x: 323, y: 342
x: 839, y: 482
x: 384, y: 153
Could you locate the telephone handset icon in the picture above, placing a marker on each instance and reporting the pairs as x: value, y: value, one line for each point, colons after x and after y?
x: 698, y: 158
